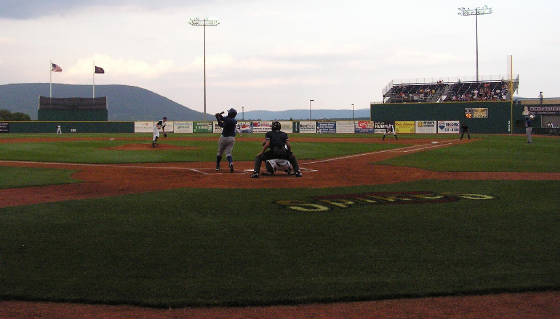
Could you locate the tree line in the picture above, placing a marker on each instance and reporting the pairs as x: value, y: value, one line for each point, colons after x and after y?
x: 6, y: 115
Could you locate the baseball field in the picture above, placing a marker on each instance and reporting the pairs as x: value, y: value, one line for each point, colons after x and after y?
x: 105, y: 225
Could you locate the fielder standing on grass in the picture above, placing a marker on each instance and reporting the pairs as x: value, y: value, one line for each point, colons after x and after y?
x: 390, y: 129
x: 227, y: 139
x: 529, y: 128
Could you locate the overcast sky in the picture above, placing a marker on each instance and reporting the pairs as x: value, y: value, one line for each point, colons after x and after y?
x: 277, y: 55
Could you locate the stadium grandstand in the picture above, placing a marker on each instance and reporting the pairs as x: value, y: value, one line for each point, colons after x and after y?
x: 495, y: 88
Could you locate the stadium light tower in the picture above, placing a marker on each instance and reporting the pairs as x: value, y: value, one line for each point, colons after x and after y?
x: 310, y: 109
x: 196, y: 22
x: 475, y: 12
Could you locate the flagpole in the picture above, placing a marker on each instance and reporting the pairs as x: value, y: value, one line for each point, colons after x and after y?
x: 93, y: 76
x: 50, y: 79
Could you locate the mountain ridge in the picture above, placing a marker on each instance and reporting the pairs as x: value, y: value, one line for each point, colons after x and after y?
x: 131, y: 103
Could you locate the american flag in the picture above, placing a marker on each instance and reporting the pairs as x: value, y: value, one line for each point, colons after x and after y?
x: 99, y: 69
x: 55, y: 68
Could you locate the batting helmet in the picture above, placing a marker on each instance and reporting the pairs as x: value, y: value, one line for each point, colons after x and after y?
x: 232, y: 112
x: 276, y: 126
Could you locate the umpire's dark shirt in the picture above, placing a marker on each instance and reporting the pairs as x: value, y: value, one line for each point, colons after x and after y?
x: 229, y: 124
x: 277, y: 140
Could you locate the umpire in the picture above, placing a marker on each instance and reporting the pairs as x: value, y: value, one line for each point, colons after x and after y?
x: 275, y: 145
x: 464, y: 129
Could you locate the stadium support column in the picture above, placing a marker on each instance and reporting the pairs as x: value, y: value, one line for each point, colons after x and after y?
x: 510, y: 71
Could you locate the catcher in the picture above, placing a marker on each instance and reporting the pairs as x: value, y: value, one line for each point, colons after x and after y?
x: 276, y: 146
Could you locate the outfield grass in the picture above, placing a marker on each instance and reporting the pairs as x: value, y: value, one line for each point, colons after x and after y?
x: 491, y: 153
x: 237, y: 247
x: 97, y: 151
x: 24, y: 176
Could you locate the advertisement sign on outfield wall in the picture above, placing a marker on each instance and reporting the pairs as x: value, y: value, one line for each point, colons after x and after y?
x: 287, y: 126
x: 364, y: 127
x: 4, y: 127
x: 144, y: 127
x: 448, y: 127
x: 426, y: 127
x: 405, y: 126
x: 245, y: 127
x: 343, y: 127
x: 169, y: 127
x: 262, y: 126
x: 379, y: 127
x: 216, y: 128
x: 326, y: 127
x: 202, y: 127
x: 183, y: 127
x: 308, y: 127
x: 549, y: 109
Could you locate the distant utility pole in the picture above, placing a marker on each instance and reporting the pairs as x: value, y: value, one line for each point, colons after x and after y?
x: 475, y: 12
x: 353, y: 112
x: 196, y: 22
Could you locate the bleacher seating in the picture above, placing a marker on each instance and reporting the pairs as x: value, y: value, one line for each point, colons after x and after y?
x: 447, y: 92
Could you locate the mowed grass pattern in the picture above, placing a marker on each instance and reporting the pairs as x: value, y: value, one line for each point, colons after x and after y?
x: 490, y: 153
x: 238, y: 247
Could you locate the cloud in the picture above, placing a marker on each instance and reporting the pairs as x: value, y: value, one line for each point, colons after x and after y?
x: 6, y: 40
x: 121, y: 67
x: 273, y: 82
x: 27, y: 9
x: 412, y: 57
x: 226, y: 61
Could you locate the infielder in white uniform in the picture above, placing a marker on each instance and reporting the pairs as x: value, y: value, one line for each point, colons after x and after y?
x: 390, y: 129
x: 160, y: 125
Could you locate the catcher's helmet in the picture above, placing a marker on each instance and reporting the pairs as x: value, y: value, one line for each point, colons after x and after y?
x: 232, y: 112
x: 276, y: 126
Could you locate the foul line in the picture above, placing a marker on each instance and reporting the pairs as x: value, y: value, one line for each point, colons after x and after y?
x: 109, y: 165
x: 407, y: 149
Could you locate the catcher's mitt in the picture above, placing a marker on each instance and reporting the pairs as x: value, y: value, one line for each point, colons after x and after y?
x: 164, y: 134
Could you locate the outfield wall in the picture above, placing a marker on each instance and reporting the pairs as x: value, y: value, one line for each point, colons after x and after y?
x: 480, y: 117
x: 70, y: 127
x: 259, y: 127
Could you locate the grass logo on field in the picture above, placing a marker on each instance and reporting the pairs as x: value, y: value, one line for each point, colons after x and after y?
x: 326, y: 203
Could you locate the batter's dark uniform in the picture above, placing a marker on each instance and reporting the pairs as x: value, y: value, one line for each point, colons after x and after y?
x: 277, y: 149
x: 227, y: 139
